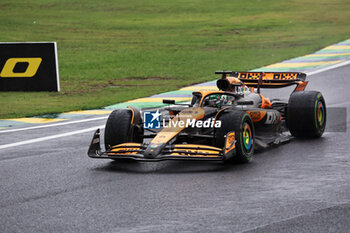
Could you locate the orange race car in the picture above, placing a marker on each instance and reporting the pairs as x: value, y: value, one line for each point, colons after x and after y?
x: 225, y: 125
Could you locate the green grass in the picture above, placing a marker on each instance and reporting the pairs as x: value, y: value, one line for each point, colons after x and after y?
x: 108, y: 50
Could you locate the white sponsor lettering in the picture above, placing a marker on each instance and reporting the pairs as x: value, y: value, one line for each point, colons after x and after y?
x: 209, y: 123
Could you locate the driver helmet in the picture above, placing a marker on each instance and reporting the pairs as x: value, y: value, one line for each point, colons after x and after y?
x: 217, y: 100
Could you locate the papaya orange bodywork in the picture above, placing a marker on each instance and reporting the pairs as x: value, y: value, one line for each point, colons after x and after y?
x: 230, y: 142
x: 132, y: 115
x: 256, y: 115
x: 181, y: 150
x: 168, y: 133
x: 265, y: 102
x: 301, y: 86
x: 127, y: 148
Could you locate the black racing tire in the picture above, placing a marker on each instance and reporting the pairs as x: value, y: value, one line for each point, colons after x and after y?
x: 120, y: 130
x: 241, y: 123
x: 306, y: 114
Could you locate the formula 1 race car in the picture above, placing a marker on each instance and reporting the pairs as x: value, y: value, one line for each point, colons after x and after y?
x: 225, y: 125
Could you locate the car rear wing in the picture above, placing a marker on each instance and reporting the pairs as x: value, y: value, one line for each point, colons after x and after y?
x: 265, y: 79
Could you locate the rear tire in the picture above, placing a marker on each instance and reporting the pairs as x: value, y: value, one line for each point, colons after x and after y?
x: 241, y: 123
x: 306, y: 114
x: 120, y: 130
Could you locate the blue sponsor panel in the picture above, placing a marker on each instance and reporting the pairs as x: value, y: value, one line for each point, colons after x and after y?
x: 151, y: 120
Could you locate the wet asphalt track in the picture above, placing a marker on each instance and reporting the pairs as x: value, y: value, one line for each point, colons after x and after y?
x: 303, y: 186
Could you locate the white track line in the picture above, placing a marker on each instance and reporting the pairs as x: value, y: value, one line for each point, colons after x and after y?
x: 50, y: 137
x: 329, y: 67
x: 53, y: 125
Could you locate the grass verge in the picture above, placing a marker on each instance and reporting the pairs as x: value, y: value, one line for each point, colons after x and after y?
x: 114, y: 50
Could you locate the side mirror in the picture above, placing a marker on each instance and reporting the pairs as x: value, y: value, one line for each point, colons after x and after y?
x: 168, y: 101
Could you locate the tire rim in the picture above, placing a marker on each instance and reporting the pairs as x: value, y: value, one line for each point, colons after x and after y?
x: 320, y: 114
x: 247, y: 137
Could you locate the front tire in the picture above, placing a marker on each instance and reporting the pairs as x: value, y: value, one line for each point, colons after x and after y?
x: 241, y: 123
x: 120, y: 130
x: 306, y: 114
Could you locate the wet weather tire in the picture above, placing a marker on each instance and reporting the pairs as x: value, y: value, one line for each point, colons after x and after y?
x: 306, y: 114
x: 120, y: 130
x: 241, y: 123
